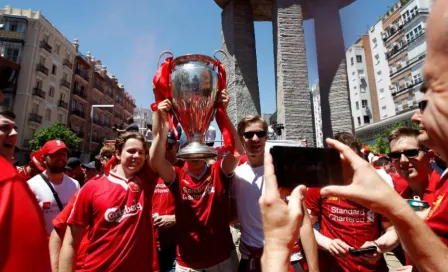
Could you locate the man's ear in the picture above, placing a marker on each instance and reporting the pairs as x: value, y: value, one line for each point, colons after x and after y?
x: 431, y: 154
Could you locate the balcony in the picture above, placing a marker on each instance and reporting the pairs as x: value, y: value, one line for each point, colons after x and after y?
x: 39, y: 93
x: 393, y: 30
x: 65, y: 83
x: 63, y: 104
x: 46, y: 46
x: 407, y: 65
x: 34, y: 117
x: 80, y: 93
x: 67, y: 63
x: 98, y: 87
x: 78, y: 113
x: 413, y: 16
x: 397, y: 50
x: 97, y: 139
x: 41, y: 68
x: 12, y: 35
x: 98, y: 122
x: 407, y: 86
x: 83, y: 74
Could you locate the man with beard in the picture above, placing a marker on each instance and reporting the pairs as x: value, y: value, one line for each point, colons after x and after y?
x: 53, y: 188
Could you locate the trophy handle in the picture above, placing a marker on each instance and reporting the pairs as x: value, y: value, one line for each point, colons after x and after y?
x: 222, y: 52
x: 161, y: 54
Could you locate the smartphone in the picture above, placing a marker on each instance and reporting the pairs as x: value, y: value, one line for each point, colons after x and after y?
x: 312, y: 167
x: 418, y: 205
x: 362, y: 251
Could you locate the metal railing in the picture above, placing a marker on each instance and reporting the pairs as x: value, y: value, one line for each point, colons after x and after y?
x: 79, y: 93
x: 67, y: 63
x: 41, y: 68
x: 78, y: 113
x: 39, y: 92
x: 34, y: 117
x: 46, y: 46
x: 63, y: 104
x: 65, y: 83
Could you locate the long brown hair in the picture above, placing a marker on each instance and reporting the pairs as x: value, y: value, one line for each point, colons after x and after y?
x: 123, y: 138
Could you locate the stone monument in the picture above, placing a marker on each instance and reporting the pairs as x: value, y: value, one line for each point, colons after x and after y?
x: 293, y: 96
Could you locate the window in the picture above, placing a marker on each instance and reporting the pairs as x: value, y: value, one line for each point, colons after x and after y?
x: 46, y: 38
x: 39, y: 84
x: 351, y: 61
x: 382, y: 90
x: 62, y: 97
x: 364, y: 103
x: 42, y: 60
x: 359, y: 121
x: 379, y: 72
x: 383, y: 107
x: 51, y: 92
x: 57, y: 49
x: 357, y: 105
x: 64, y: 76
x: 374, y: 42
x: 73, y: 104
x: 35, y: 108
x: 81, y: 107
x: 60, y: 117
x: 53, y: 70
x: 358, y: 58
x: 48, y: 115
x: 366, y: 119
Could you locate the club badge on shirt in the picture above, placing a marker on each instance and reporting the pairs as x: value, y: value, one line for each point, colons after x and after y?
x: 46, y: 205
x: 435, y: 205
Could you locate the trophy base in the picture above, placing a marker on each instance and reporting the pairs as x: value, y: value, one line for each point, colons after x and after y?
x: 197, y: 151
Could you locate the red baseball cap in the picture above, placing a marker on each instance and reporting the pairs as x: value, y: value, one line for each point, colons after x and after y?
x: 36, y: 158
x: 53, y: 146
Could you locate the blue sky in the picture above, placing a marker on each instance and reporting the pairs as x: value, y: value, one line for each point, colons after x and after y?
x: 129, y: 37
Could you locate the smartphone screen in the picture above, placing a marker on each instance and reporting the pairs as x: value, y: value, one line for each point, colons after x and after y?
x: 312, y: 167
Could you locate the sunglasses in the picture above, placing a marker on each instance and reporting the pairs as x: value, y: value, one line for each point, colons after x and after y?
x: 410, y: 154
x: 422, y: 105
x: 250, y: 134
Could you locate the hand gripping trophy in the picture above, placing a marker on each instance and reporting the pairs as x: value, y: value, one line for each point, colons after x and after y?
x: 192, y: 85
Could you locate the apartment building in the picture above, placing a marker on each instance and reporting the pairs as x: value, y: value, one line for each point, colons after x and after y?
x: 97, y: 103
x: 386, y: 106
x: 317, y: 114
x: 46, y: 58
x: 359, y: 85
x: 142, y: 117
x: 406, y: 51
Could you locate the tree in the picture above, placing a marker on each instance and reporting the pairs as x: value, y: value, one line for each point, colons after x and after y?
x: 56, y: 131
x: 382, y: 144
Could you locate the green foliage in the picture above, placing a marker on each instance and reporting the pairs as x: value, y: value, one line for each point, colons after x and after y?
x: 55, y: 131
x: 382, y: 144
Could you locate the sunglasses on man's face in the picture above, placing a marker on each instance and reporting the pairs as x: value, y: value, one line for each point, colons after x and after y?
x: 250, y: 134
x: 422, y: 105
x: 410, y: 154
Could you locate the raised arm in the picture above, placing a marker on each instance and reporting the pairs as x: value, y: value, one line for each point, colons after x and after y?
x: 158, y: 148
x: 231, y: 161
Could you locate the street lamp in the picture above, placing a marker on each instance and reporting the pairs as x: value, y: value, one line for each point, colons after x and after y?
x: 91, y: 121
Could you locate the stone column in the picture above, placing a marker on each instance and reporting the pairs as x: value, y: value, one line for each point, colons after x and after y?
x: 238, y: 41
x: 334, y: 92
x: 294, y: 108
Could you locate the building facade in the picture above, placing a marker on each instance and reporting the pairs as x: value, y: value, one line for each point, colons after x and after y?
x: 56, y: 83
x: 380, y: 67
x: 142, y: 117
x: 97, y: 102
x: 317, y: 113
x: 44, y: 81
x: 359, y: 87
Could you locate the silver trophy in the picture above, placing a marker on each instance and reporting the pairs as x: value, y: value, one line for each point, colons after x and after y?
x: 194, y: 90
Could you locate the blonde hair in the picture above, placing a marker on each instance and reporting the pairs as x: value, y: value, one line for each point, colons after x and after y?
x: 250, y: 120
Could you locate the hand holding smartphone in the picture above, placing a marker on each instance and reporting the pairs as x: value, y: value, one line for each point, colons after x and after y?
x: 312, y: 167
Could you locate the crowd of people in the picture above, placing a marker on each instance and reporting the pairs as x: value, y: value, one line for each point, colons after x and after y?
x: 137, y: 207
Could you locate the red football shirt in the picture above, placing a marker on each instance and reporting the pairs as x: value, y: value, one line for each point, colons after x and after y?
x: 24, y: 243
x: 117, y: 213
x: 399, y: 182
x: 437, y: 218
x: 349, y: 222
x: 202, y: 217
x: 163, y: 204
x: 60, y: 225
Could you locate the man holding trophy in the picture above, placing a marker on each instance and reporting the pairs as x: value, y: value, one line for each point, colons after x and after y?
x: 194, y: 92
